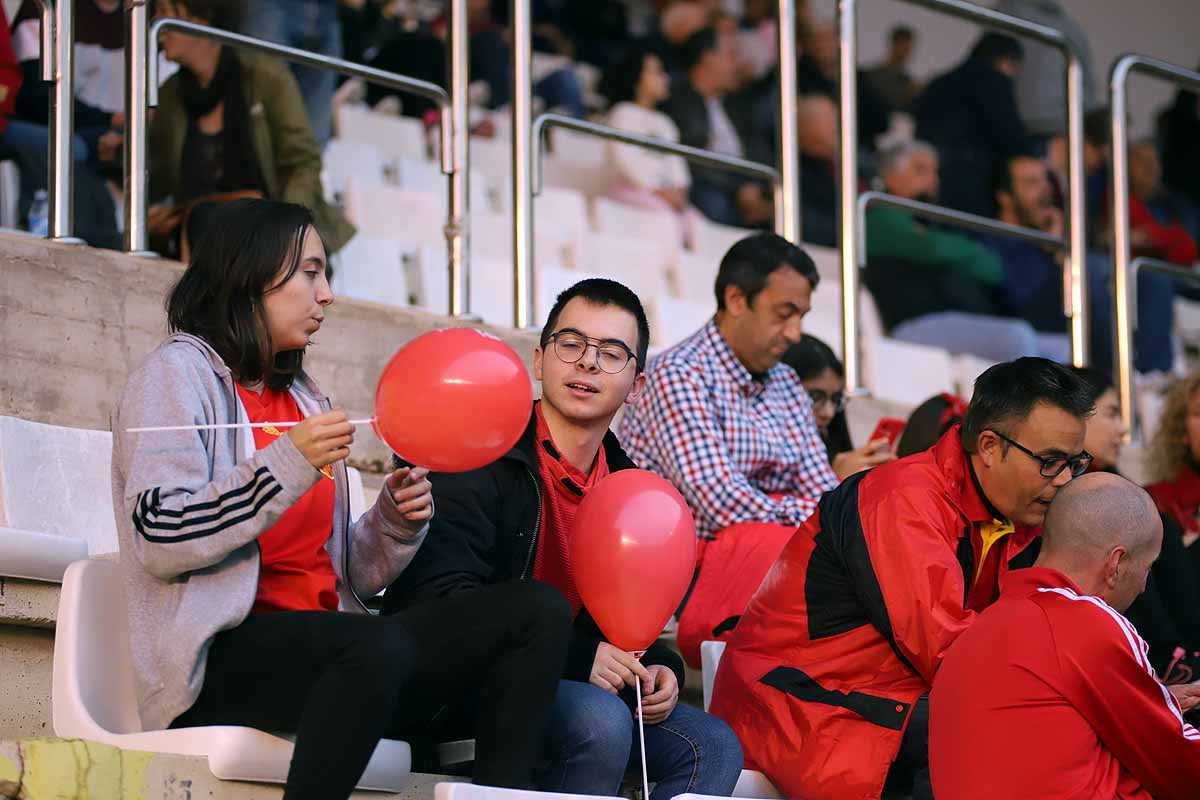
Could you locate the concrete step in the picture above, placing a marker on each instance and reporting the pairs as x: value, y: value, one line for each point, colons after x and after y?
x: 73, y: 769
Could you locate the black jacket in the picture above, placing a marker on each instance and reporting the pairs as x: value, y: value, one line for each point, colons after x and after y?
x: 687, y: 110
x: 484, y: 531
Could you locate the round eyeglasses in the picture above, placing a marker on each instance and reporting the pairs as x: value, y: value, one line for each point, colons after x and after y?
x: 611, y: 356
x: 1052, y: 466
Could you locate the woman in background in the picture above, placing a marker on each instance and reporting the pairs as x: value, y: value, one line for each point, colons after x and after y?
x: 824, y: 379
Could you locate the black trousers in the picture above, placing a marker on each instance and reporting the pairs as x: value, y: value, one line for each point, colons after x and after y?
x: 342, y: 681
x: 909, y: 775
x: 1167, y: 614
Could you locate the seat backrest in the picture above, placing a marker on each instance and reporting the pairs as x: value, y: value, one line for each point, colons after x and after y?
x: 470, y: 791
x: 641, y: 223
x: 710, y: 659
x: 57, y: 480
x: 908, y: 373
x: 93, y: 694
x: 390, y: 134
x: 372, y: 267
x: 407, y: 214
x: 345, y: 158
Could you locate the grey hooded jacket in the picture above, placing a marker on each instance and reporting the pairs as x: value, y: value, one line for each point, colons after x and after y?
x: 190, y: 506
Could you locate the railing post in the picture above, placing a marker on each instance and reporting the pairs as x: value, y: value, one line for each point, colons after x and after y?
x: 1119, y: 192
x: 458, y: 227
x: 789, y: 154
x: 522, y: 149
x: 58, y: 67
x: 848, y: 192
x: 1076, y: 296
x: 137, y: 161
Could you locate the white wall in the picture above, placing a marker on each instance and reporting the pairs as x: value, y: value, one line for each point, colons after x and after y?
x: 1166, y: 29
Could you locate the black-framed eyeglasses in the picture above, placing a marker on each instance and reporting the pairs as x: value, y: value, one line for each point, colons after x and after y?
x: 839, y: 400
x: 611, y: 356
x: 1052, y: 466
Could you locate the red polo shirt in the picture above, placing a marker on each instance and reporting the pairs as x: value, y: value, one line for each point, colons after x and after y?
x: 1050, y: 694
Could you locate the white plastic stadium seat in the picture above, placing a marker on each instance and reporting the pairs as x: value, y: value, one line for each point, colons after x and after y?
x: 469, y: 791
x: 345, y: 159
x: 390, y: 134
x: 621, y: 219
x: 710, y: 659
x: 406, y: 214
x: 908, y: 373
x: 755, y: 784
x: 372, y: 267
x: 966, y: 369
x: 93, y: 695
x: 55, y: 498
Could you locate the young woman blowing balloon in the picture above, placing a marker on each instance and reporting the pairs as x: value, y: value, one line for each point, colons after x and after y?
x: 245, y: 574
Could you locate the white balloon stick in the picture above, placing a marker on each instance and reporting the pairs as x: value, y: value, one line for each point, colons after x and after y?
x: 230, y: 425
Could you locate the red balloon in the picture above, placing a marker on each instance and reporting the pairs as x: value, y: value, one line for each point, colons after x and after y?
x: 633, y: 552
x: 453, y: 400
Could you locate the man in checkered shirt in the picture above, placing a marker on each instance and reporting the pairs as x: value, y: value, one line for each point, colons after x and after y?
x: 732, y: 428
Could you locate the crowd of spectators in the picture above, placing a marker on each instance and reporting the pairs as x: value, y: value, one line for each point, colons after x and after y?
x: 988, y: 140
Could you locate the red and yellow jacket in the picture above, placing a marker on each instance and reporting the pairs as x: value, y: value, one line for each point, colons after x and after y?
x: 849, y: 627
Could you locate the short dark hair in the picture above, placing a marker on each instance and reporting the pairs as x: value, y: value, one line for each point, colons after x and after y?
x: 219, y: 297
x: 217, y: 13
x: 901, y: 32
x: 1001, y: 178
x: 1097, y: 381
x: 1096, y: 127
x: 992, y: 46
x: 620, y: 80
x: 750, y: 261
x: 689, y: 52
x: 603, y: 292
x: 1006, y: 394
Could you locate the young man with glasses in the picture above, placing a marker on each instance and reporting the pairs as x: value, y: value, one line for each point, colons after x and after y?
x: 513, y: 520
x: 732, y: 428
x: 826, y: 678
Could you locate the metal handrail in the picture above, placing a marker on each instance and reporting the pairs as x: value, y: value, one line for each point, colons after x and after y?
x: 950, y: 216
x: 1125, y: 273
x: 138, y: 164
x: 58, y: 68
x: 708, y: 158
x: 525, y: 140
x: 1075, y: 274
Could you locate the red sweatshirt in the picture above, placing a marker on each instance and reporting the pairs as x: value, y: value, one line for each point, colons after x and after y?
x: 1050, y: 694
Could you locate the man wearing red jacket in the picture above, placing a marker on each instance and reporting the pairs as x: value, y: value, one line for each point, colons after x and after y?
x: 1054, y: 683
x: 826, y: 678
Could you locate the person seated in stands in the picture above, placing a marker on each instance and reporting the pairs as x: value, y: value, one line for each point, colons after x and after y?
x: 98, y: 114
x: 10, y: 81
x: 710, y: 113
x: 817, y: 74
x: 824, y: 379
x: 1167, y: 614
x: 938, y: 287
x: 891, y: 78
x: 1033, y: 278
x: 827, y: 675
x: 1074, y: 709
x: 1179, y: 130
x: 635, y: 84
x: 1161, y: 225
x: 244, y: 571
x: 732, y: 428
x: 230, y: 123
x: 929, y: 422
x: 970, y: 115
x: 1174, y: 460
x: 511, y: 522
x: 817, y: 138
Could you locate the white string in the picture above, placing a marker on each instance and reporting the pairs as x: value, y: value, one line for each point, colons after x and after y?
x: 229, y: 425
x: 642, y: 732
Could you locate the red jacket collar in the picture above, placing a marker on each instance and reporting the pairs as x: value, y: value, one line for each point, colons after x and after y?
x: 956, y: 466
x: 1029, y: 580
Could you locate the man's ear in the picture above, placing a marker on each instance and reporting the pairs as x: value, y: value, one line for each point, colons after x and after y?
x: 1113, y: 566
x: 538, y: 355
x: 735, y: 301
x: 990, y: 449
x: 635, y: 391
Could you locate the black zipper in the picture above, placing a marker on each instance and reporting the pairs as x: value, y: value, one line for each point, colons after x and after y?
x: 537, y: 526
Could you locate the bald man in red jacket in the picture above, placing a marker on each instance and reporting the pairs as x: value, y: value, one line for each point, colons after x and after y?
x: 1050, y: 692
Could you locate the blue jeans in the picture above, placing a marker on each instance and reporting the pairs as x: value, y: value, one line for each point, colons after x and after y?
x: 995, y: 338
x: 591, y: 742
x: 309, y: 25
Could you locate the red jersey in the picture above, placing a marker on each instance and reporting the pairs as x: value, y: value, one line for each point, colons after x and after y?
x: 1050, y: 694
x: 296, y: 572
